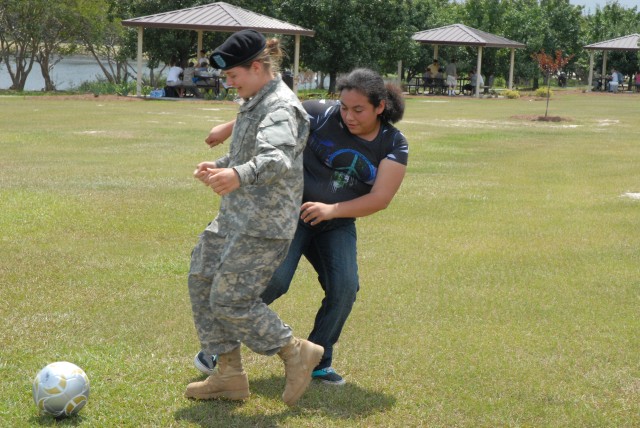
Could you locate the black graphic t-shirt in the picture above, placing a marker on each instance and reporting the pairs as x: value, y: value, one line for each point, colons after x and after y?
x: 339, y: 166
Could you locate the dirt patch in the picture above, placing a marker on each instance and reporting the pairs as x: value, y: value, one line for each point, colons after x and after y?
x: 632, y: 195
x: 535, y: 118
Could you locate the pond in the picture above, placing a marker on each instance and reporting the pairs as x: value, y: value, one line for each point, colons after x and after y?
x: 69, y: 73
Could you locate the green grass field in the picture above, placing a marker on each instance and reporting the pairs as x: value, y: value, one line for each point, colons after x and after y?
x: 500, y: 289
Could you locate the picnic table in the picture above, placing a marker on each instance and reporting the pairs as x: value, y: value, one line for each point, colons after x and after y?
x: 461, y: 82
x: 417, y: 85
x: 430, y: 86
x: 207, y: 82
x: 600, y: 84
x: 200, y: 87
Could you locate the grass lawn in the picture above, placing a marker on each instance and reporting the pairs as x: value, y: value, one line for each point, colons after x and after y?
x: 500, y: 288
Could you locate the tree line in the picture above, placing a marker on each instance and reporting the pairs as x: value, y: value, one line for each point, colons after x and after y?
x: 36, y: 34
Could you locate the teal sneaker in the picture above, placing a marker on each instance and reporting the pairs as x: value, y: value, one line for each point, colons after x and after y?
x: 205, y: 363
x: 328, y: 376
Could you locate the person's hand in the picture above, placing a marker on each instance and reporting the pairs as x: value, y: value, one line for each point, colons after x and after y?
x: 223, y: 180
x: 315, y: 212
x: 219, y: 134
x: 201, y: 172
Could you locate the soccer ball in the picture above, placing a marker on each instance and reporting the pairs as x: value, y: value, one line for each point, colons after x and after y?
x: 61, y: 389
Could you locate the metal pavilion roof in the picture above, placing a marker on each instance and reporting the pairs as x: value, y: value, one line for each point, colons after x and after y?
x: 218, y: 16
x: 461, y: 35
x: 625, y: 43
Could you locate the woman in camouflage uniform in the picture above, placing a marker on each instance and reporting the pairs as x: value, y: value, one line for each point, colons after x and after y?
x: 260, y: 181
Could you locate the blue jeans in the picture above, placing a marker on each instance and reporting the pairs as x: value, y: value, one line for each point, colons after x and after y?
x: 330, y: 247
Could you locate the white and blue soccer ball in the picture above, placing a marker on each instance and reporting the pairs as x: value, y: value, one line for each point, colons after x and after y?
x: 61, y: 389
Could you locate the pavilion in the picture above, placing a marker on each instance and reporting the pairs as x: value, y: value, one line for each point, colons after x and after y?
x: 625, y: 43
x: 462, y: 35
x: 218, y: 16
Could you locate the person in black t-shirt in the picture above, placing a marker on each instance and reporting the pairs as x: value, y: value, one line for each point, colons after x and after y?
x: 354, y: 163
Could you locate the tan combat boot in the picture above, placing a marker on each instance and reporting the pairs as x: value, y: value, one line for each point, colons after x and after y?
x: 300, y: 357
x: 229, y: 381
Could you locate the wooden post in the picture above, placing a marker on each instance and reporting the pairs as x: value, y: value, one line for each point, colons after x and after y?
x: 591, y: 53
x: 513, y: 53
x: 139, y: 75
x: 604, y: 68
x: 199, y: 45
x: 296, y: 64
x: 479, y: 71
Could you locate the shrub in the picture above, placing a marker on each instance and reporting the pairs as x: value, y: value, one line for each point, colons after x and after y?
x: 99, y: 87
x: 123, y: 89
x: 542, y: 93
x: 512, y: 95
x: 500, y: 82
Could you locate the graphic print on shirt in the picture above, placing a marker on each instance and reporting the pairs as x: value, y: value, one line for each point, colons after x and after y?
x: 358, y: 168
x: 348, y: 165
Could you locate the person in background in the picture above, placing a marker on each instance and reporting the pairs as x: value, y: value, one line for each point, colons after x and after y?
x: 452, y: 77
x: 477, y: 81
x: 620, y: 78
x: 615, y: 81
x: 473, y: 79
x: 433, y: 68
x: 203, y: 63
x: 490, y: 82
x: 637, y: 81
x: 173, y: 77
x: 260, y: 181
x: 427, y: 80
x: 597, y: 81
x: 188, y: 76
x: 354, y: 164
x: 562, y: 79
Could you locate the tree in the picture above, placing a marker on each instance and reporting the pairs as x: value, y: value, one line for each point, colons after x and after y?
x: 563, y: 27
x: 56, y: 35
x: 426, y: 14
x: 103, y: 36
x: 350, y: 34
x: 390, y: 34
x: 523, y: 22
x: 550, y: 65
x: 332, y: 50
x: 19, y: 38
x: 487, y: 15
x: 42, y: 32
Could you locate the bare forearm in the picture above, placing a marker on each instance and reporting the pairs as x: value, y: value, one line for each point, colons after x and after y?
x: 316, y: 212
x: 219, y: 133
x: 387, y: 183
x: 362, y: 206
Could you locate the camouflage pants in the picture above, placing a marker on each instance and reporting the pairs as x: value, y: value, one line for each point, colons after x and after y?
x: 227, y: 275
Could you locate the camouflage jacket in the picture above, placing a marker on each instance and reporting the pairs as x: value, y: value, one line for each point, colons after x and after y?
x: 268, y: 138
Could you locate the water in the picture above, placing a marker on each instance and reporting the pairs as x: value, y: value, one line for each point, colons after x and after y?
x: 72, y: 71
x: 69, y: 73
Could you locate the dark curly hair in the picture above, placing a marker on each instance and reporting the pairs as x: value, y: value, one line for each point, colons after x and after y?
x: 371, y: 85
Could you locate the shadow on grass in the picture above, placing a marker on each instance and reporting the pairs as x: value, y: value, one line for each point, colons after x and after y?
x: 50, y: 421
x: 324, y: 401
